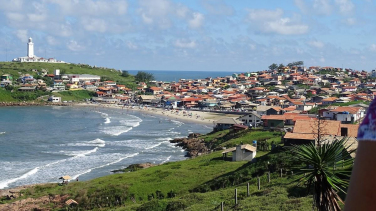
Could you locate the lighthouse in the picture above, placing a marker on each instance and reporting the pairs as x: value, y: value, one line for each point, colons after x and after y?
x: 30, y: 48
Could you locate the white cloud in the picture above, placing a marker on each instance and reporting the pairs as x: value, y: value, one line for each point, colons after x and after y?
x: 217, y: 7
x: 182, y: 43
x: 94, y: 24
x: 74, y: 46
x: 350, y: 21
x: 16, y: 17
x: 52, y: 41
x: 22, y: 35
x: 132, y: 45
x: 345, y: 6
x: 301, y: 5
x: 316, y: 44
x: 372, y: 47
x: 272, y: 21
x: 322, y: 7
x: 196, y: 21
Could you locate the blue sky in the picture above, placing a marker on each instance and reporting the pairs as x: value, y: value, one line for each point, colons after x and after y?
x: 211, y: 35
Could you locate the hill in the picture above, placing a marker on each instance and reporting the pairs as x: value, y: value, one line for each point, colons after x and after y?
x: 200, y: 183
x: 16, y: 69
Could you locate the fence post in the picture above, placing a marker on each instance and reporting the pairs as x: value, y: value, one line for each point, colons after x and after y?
x: 258, y: 183
x: 222, y: 208
x: 281, y: 172
x: 248, y: 189
x: 236, y: 196
x: 268, y: 177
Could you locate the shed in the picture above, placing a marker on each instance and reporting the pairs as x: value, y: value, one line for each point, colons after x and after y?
x: 241, y: 152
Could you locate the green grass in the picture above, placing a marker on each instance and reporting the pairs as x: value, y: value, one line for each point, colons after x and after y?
x: 16, y: 69
x: 77, y: 95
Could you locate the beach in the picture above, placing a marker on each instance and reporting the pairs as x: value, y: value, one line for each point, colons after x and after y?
x: 194, y: 116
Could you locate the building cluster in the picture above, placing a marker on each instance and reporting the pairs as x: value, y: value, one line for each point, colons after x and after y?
x: 280, y: 98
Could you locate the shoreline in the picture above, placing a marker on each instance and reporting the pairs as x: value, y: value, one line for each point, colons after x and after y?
x: 190, y: 116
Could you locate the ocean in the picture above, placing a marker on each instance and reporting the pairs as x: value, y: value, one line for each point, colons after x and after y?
x: 41, y: 144
x: 164, y: 75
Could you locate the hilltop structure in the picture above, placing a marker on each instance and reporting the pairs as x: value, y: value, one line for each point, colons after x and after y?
x: 33, y: 58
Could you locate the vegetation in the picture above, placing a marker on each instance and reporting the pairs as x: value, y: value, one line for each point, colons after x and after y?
x: 142, y: 76
x: 323, y: 172
x: 16, y: 69
x: 201, y: 183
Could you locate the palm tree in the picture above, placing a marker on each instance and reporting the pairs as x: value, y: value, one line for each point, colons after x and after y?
x: 321, y: 173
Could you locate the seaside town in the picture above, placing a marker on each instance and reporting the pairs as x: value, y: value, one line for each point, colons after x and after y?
x: 290, y: 98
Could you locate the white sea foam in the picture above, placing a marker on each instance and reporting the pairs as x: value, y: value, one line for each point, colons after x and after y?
x: 116, y: 130
x: 4, y: 184
x: 107, y: 164
x: 167, y: 159
x: 107, y: 120
x: 178, y: 123
x: 96, y: 142
x: 1, y: 133
x: 130, y: 123
x: 79, y: 153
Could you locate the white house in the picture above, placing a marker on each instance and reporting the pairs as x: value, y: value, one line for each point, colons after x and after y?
x: 241, y: 152
x: 252, y: 119
x: 345, y: 114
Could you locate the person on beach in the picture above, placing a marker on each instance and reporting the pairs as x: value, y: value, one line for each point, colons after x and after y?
x: 361, y: 194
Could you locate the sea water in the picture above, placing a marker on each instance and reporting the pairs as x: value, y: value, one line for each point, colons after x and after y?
x: 41, y: 144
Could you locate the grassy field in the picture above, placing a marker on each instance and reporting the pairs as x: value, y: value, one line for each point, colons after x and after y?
x: 201, y: 183
x: 16, y: 69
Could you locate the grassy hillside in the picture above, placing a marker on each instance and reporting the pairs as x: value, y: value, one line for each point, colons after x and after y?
x: 16, y: 69
x: 200, y: 183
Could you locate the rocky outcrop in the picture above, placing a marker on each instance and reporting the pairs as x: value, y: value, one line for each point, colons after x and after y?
x: 194, y: 145
x: 134, y: 167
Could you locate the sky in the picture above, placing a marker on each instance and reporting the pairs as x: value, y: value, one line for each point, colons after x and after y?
x: 200, y: 35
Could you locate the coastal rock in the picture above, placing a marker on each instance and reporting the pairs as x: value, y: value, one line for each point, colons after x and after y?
x: 193, y: 145
x: 134, y: 167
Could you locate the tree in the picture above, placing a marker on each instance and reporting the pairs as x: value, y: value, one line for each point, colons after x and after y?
x: 125, y: 73
x: 273, y: 66
x: 321, y: 173
x: 142, y: 76
x: 281, y: 66
x: 290, y: 65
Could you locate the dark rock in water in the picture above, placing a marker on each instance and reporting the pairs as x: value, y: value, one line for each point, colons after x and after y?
x: 134, y: 167
x: 193, y: 144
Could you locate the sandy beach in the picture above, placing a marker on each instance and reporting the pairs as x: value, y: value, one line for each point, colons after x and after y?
x: 200, y: 117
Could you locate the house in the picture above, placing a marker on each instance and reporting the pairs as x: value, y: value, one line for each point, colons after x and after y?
x: 252, y: 119
x: 147, y: 99
x: 303, y: 106
x: 273, y: 121
x: 306, y: 131
x: 329, y: 100
x: 261, y: 110
x: 344, y: 114
x: 226, y: 123
x: 58, y: 85
x: 241, y: 152
x: 275, y: 111
x: 154, y: 90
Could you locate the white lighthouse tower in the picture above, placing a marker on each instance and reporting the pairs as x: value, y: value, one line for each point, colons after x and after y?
x: 30, y: 48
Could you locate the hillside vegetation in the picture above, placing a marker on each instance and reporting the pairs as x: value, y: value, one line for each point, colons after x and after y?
x: 17, y: 69
x: 200, y: 183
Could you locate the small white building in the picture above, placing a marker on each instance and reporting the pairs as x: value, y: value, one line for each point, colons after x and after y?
x: 252, y: 119
x: 55, y: 99
x: 241, y: 152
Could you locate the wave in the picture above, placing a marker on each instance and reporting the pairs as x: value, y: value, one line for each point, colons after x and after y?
x: 177, y: 123
x: 6, y: 183
x: 96, y: 142
x: 130, y: 123
x: 1, y: 133
x: 167, y: 159
x: 79, y: 153
x: 116, y: 130
x: 107, y: 164
x: 107, y: 120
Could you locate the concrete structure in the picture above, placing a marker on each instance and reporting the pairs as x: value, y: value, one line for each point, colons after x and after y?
x: 241, y: 152
x: 30, y: 48
x: 54, y: 99
x: 251, y: 120
x: 31, y: 57
x: 226, y: 123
